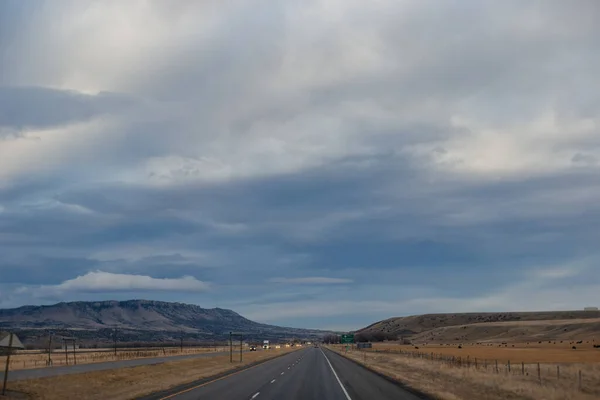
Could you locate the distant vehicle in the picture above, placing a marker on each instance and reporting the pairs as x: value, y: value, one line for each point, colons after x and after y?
x: 266, y: 345
x: 252, y: 348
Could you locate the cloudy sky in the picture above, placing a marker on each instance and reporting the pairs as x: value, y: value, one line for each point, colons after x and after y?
x: 319, y: 164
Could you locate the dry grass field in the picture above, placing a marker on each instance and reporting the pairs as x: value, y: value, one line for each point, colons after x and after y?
x: 35, y: 359
x: 559, y: 370
x: 521, y: 352
x: 129, y: 383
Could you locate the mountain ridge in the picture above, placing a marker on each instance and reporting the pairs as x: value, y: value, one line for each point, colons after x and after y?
x: 141, y: 320
x: 488, y: 326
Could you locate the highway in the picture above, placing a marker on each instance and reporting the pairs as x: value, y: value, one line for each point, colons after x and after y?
x: 307, y: 374
x: 45, y: 372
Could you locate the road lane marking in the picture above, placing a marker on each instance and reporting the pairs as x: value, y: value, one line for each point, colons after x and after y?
x: 215, y: 380
x: 336, y: 376
x: 282, y: 373
x: 273, y: 381
x: 255, y: 395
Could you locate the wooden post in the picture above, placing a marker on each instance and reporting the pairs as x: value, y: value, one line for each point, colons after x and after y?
x: 49, y: 362
x: 496, y: 365
x: 539, y: 373
x: 66, y: 351
x: 469, y: 362
x: 522, y: 368
x: 241, y: 340
x: 485, y: 363
x: 509, y: 366
x: 74, y: 355
x: 580, y: 380
x: 230, y: 349
x: 558, y: 372
x: 10, y: 341
x: 475, y: 362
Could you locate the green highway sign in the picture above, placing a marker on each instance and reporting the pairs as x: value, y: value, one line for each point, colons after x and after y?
x: 348, y: 338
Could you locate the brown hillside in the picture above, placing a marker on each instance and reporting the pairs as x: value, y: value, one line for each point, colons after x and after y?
x: 520, y: 326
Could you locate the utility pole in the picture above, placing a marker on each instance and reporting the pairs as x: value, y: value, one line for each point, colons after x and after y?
x: 115, y: 341
x: 74, y: 353
x: 230, y: 349
x: 49, y: 348
x: 10, y: 341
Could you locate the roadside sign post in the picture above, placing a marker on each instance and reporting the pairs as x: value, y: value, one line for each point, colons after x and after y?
x: 11, y: 341
x: 231, y: 335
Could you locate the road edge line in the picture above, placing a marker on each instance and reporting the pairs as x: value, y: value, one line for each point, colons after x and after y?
x: 411, y: 390
x: 336, y: 375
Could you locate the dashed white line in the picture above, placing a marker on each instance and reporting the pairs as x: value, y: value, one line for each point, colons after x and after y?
x: 255, y: 395
x: 273, y: 381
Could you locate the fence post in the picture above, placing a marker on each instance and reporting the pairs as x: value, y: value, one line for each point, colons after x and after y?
x: 469, y: 362
x: 508, y: 366
x: 539, y: 373
x: 485, y: 363
x: 580, y: 380
x: 522, y: 368
x: 476, y: 363
x: 558, y: 372
x: 496, y: 365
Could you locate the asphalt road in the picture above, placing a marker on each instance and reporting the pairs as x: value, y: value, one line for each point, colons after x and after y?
x: 21, y: 374
x: 308, y: 374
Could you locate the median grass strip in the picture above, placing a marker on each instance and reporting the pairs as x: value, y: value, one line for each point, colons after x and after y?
x: 129, y: 383
x: 450, y: 383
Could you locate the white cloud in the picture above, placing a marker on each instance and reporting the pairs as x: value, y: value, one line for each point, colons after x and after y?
x: 100, y: 281
x: 310, y: 280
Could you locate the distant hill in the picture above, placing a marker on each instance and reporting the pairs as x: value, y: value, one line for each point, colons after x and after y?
x: 499, y: 326
x: 139, y: 320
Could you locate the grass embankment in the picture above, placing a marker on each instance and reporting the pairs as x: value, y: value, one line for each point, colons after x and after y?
x: 445, y: 380
x: 129, y: 383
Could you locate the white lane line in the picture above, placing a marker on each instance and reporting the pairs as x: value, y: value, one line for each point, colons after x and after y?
x: 336, y: 376
x: 273, y: 381
x: 255, y: 395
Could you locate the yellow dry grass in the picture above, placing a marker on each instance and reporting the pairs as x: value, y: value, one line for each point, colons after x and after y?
x: 452, y: 383
x: 521, y: 352
x: 129, y: 383
x: 29, y: 359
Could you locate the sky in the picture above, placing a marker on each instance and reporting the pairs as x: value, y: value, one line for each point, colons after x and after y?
x: 320, y: 164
